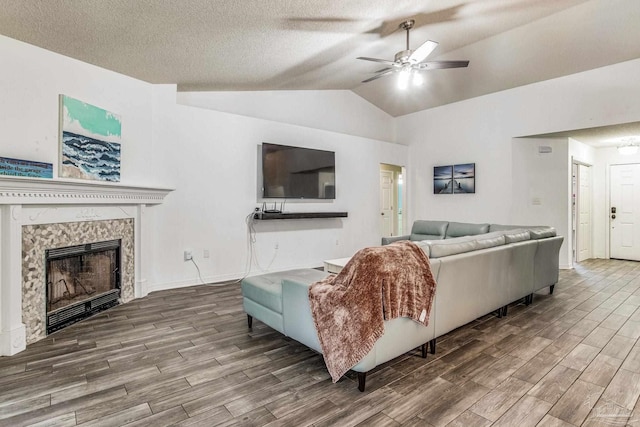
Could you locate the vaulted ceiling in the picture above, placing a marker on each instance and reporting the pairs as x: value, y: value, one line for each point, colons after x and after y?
x: 241, y: 45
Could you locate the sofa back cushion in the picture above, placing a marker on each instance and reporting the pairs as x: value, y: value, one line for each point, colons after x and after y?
x: 542, y: 232
x: 517, y: 235
x: 459, y: 245
x: 502, y: 227
x: 458, y: 229
x: 428, y: 230
x: 489, y: 240
x: 425, y: 245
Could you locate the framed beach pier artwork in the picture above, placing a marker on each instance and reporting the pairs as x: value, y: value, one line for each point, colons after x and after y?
x: 90, y: 139
x: 454, y: 179
x: 442, y: 179
x: 464, y: 178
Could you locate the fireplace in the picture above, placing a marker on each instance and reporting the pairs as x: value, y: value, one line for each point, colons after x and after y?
x: 39, y: 214
x: 81, y: 280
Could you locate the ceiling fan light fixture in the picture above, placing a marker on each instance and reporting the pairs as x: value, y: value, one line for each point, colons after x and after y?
x: 407, y: 61
x: 403, y: 79
x: 418, y: 78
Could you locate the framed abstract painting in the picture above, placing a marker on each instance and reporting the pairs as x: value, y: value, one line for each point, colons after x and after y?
x: 90, y: 139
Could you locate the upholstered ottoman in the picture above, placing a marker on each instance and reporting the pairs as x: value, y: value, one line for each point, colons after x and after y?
x: 262, y: 294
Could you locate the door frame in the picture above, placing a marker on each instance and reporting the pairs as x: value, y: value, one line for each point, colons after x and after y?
x: 399, y: 228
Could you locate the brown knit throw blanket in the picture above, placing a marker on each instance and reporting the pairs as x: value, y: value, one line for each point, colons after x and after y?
x: 377, y: 284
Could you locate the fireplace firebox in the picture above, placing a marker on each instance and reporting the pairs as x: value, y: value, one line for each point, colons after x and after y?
x: 82, y: 280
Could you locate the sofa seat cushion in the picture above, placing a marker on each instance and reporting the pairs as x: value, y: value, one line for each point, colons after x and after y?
x: 458, y: 229
x: 266, y: 289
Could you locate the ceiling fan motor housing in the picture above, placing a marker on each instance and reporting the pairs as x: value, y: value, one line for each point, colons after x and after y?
x: 402, y: 57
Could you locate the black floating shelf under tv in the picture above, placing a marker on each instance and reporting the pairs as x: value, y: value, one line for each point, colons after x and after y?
x: 298, y: 215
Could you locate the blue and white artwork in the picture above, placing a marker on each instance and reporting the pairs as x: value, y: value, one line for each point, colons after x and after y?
x: 25, y: 168
x: 90, y: 141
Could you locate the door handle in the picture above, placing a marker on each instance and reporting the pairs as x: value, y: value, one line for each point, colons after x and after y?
x: 613, y: 216
x: 382, y: 213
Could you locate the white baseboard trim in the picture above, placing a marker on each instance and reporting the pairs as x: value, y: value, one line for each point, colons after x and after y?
x: 565, y: 266
x: 13, y: 341
x: 215, y: 279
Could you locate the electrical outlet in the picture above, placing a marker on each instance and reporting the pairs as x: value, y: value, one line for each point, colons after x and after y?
x: 277, y: 246
x: 205, y: 253
x: 337, y: 242
x: 188, y: 255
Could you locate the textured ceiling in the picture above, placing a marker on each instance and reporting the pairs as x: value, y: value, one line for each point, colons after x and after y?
x: 312, y: 44
x: 602, y: 136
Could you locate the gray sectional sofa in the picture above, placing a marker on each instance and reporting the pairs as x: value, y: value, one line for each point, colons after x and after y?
x: 477, y: 273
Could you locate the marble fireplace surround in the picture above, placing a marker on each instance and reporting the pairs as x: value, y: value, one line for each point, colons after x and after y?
x: 52, y: 206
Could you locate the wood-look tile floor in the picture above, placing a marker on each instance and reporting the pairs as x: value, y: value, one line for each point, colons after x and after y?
x: 185, y: 357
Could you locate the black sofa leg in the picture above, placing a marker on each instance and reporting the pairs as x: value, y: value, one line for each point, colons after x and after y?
x: 504, y: 310
x: 362, y: 378
x: 432, y: 346
x: 499, y: 313
x: 551, y: 289
x: 423, y: 348
x: 249, y: 320
x: 529, y: 299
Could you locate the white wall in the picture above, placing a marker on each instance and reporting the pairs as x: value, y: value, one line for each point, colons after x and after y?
x: 482, y: 129
x: 336, y: 110
x: 31, y: 79
x: 216, y: 181
x: 538, y: 197
x: 209, y: 157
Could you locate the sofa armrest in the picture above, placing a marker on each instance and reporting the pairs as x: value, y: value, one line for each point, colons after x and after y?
x: 296, y: 311
x: 546, y: 262
x: 387, y: 240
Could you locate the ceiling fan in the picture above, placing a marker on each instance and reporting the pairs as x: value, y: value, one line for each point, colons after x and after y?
x: 409, y: 62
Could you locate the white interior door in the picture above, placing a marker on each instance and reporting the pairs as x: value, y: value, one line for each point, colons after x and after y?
x: 387, y: 218
x: 624, y: 215
x: 583, y: 243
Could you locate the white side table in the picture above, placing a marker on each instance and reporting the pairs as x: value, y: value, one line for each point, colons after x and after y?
x: 335, y: 265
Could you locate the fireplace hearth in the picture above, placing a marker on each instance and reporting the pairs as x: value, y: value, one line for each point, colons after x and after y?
x: 81, y: 281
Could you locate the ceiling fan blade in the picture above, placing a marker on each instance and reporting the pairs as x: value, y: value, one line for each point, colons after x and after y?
x: 436, y: 65
x: 381, y: 70
x: 421, y: 53
x: 383, y: 61
x: 377, y: 76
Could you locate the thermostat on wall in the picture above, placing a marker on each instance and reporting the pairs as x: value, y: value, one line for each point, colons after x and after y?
x: 544, y: 149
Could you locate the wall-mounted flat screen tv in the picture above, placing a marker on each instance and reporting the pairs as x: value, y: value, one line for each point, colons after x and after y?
x: 297, y: 173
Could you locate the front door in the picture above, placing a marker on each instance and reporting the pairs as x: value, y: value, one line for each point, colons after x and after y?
x: 624, y: 213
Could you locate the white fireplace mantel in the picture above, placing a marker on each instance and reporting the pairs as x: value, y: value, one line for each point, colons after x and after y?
x: 25, y: 200
x: 30, y: 191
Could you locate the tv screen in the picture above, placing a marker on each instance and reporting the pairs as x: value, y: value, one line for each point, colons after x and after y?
x: 297, y: 173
